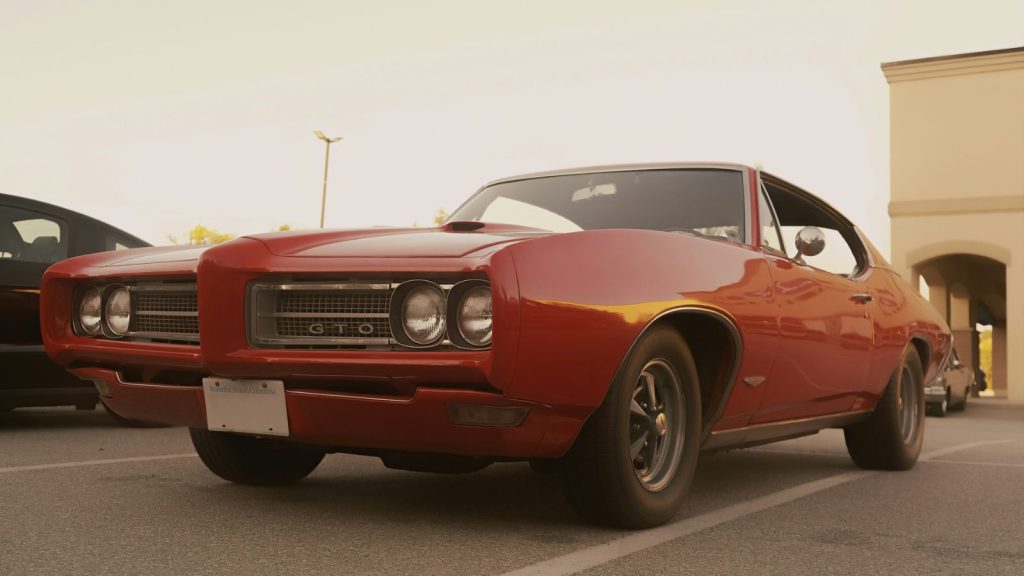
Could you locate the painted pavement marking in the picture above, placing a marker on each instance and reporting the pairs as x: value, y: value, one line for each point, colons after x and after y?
x: 585, y: 558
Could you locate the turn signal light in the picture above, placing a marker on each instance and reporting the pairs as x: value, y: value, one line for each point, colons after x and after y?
x: 479, y: 415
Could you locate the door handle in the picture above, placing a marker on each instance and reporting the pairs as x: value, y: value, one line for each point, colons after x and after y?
x: 861, y: 298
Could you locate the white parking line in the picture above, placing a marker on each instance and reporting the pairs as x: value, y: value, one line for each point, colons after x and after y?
x: 979, y: 463
x: 603, y: 553
x: 958, y: 448
x: 93, y: 462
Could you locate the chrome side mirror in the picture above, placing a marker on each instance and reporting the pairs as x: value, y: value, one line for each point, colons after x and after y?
x: 810, y: 241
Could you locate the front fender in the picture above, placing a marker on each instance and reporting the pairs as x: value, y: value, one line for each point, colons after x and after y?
x: 585, y: 298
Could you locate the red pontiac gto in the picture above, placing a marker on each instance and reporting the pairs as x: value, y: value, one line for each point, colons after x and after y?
x: 608, y: 323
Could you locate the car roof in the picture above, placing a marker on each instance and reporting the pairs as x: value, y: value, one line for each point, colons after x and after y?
x: 60, y: 212
x: 621, y: 168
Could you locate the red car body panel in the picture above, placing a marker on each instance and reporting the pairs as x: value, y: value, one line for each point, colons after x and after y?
x: 567, y: 310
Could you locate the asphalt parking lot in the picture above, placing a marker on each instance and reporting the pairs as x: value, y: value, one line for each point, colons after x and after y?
x: 80, y: 495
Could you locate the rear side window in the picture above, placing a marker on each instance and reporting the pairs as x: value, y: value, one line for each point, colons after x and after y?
x: 29, y: 236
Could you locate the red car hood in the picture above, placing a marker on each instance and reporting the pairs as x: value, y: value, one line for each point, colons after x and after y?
x: 449, y: 241
x: 162, y: 255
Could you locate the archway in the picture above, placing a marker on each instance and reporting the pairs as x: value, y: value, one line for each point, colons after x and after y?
x: 969, y: 291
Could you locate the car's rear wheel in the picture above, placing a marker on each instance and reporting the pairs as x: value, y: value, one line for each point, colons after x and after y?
x: 890, y: 439
x: 255, y: 461
x: 635, y: 457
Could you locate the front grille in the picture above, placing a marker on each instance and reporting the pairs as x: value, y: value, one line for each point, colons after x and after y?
x: 164, y: 312
x: 321, y: 315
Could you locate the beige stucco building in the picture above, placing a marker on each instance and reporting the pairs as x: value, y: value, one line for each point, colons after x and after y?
x: 957, y: 207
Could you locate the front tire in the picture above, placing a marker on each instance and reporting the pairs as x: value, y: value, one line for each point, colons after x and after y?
x: 939, y: 408
x: 254, y: 461
x: 635, y: 457
x: 891, y: 438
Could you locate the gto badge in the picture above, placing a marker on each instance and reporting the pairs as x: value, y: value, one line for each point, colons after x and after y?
x: 337, y: 329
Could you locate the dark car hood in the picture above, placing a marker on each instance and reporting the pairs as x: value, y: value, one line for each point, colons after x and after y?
x: 449, y: 241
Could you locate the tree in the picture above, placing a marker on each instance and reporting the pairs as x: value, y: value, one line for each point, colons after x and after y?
x: 202, y: 235
x: 440, y: 216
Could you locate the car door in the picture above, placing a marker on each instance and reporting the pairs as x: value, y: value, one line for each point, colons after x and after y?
x: 825, y: 325
x: 29, y: 242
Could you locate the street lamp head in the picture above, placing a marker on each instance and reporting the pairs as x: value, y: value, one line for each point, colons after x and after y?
x: 321, y: 136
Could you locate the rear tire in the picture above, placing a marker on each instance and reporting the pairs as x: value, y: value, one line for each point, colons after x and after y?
x: 635, y: 457
x: 255, y: 461
x: 891, y: 438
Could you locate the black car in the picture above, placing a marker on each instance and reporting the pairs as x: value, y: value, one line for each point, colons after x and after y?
x: 34, y: 235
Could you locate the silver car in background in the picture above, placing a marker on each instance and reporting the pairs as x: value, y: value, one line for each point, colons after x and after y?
x: 952, y: 387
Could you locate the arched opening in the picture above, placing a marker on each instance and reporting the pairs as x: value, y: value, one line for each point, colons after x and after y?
x: 969, y: 291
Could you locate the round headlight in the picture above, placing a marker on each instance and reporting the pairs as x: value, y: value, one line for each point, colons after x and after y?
x: 475, y: 316
x: 423, y: 314
x: 118, y: 311
x: 90, y: 310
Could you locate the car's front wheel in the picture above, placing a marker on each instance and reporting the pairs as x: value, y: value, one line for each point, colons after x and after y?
x: 635, y: 457
x: 939, y: 408
x: 890, y: 439
x: 255, y: 461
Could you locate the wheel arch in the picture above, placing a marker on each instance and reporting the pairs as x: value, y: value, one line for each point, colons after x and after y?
x: 923, y: 350
x: 717, y: 353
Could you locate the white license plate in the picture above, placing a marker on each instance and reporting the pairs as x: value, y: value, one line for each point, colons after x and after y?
x: 248, y: 406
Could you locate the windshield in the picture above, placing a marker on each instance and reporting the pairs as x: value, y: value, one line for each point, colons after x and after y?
x: 702, y: 201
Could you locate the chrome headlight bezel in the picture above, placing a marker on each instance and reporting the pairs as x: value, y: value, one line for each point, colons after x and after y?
x: 457, y: 297
x: 400, y: 320
x: 117, y: 296
x: 80, y: 325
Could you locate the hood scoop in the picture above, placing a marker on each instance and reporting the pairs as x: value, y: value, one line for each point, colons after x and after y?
x: 463, y: 226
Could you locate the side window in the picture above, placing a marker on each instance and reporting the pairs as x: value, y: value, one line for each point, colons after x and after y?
x: 795, y: 211
x: 115, y: 241
x: 769, y: 228
x: 30, y: 236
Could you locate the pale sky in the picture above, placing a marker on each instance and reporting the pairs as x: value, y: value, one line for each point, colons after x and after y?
x: 157, y: 116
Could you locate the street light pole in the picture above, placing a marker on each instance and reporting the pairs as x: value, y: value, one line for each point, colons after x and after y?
x: 327, y: 160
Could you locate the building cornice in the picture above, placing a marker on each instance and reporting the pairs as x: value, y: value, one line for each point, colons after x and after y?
x: 956, y: 65
x: 938, y: 207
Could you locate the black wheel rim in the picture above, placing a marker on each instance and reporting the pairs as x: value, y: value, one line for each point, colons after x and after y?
x: 657, y: 425
x: 908, y: 406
